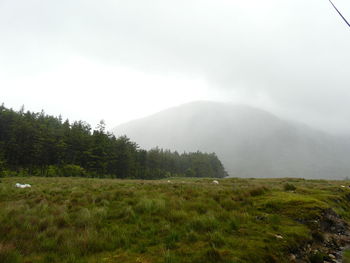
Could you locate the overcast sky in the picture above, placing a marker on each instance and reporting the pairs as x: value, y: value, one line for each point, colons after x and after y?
x: 120, y: 60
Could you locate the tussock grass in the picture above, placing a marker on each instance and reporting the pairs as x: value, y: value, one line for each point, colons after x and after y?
x: 187, y: 220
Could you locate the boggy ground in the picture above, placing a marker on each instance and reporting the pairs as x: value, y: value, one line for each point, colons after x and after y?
x: 184, y: 220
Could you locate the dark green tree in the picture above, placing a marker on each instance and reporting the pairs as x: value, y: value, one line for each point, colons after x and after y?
x: 43, y: 145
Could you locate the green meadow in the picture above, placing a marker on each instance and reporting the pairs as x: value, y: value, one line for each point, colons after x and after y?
x: 156, y: 221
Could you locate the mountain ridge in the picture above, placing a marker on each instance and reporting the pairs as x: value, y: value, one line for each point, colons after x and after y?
x: 249, y: 141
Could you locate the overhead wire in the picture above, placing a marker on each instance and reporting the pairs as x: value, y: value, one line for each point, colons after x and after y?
x: 340, y: 13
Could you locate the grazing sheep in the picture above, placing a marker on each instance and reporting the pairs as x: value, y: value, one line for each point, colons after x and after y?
x: 215, y: 182
x: 23, y: 185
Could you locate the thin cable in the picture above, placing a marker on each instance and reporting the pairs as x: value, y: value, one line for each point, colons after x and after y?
x: 340, y: 13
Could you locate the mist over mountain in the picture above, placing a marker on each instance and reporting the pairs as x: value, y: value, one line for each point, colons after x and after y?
x: 250, y: 142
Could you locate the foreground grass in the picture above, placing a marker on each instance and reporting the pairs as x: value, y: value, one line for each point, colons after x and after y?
x: 187, y: 220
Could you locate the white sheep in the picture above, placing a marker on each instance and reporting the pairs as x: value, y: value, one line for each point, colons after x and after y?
x: 215, y: 182
x: 23, y: 185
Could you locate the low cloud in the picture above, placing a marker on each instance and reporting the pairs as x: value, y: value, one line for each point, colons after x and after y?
x: 293, y: 54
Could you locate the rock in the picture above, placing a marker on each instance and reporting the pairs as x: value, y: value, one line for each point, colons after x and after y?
x: 336, y: 235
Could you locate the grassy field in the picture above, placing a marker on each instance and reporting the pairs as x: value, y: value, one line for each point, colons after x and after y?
x: 186, y: 220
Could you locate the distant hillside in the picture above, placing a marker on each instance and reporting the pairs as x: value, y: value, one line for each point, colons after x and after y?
x: 249, y: 141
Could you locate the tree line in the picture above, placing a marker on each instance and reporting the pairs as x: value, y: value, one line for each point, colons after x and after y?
x: 43, y: 145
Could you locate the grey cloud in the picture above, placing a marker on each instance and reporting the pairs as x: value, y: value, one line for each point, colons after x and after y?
x: 294, y: 52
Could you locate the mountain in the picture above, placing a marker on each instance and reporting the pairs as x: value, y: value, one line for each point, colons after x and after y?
x: 250, y: 142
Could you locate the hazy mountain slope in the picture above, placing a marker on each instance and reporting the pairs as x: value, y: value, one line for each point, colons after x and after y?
x: 250, y: 142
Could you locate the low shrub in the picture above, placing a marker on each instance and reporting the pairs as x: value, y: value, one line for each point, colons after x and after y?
x: 317, y: 257
x: 8, y: 254
x: 213, y: 255
x: 72, y: 170
x: 150, y: 206
x: 258, y: 191
x: 289, y: 187
x: 204, y: 223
